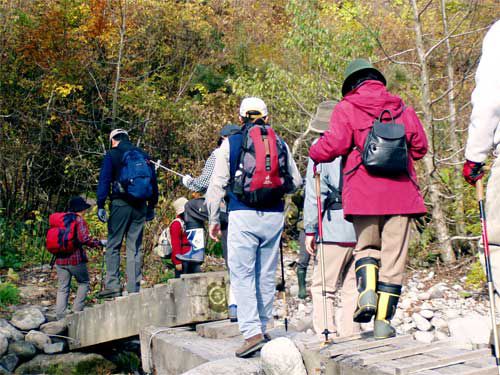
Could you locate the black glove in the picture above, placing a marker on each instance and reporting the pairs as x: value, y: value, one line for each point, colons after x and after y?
x: 150, y: 213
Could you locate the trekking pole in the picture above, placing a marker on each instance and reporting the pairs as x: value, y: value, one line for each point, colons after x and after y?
x: 158, y: 164
x: 317, y: 176
x: 487, y: 262
x: 283, y: 284
x: 102, y: 270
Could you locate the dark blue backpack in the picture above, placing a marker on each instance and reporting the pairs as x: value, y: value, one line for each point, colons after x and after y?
x: 136, y: 175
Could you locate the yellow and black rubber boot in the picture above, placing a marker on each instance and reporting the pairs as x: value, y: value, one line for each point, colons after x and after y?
x: 366, y: 278
x: 388, y: 297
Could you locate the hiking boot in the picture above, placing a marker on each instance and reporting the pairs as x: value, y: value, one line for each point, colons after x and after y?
x: 196, y: 240
x: 251, y: 346
x: 301, y: 276
x: 109, y: 293
x: 233, y: 313
x: 388, y: 297
x: 267, y: 337
x: 366, y: 277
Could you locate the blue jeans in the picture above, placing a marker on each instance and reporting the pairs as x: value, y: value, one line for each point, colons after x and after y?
x: 253, y: 250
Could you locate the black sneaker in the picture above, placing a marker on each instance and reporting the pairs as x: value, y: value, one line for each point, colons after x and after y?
x: 109, y: 293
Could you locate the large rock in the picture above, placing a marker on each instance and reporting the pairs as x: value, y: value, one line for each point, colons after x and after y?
x: 24, y: 350
x: 39, y: 339
x: 28, y: 318
x: 54, y: 328
x: 421, y: 323
x: 281, y: 356
x: 10, y: 331
x: 69, y: 363
x: 470, y: 331
x: 4, y: 344
x: 9, y: 362
x: 57, y: 347
x: 227, y: 366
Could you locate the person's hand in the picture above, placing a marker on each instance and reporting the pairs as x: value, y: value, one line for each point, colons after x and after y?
x: 311, y: 244
x: 103, y: 243
x: 150, y: 213
x: 178, y: 267
x: 102, y: 215
x: 214, y: 232
x: 186, y: 180
x: 473, y: 171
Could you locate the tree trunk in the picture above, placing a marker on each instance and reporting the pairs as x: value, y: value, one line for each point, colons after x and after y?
x: 438, y: 215
x: 118, y: 64
x: 454, y: 140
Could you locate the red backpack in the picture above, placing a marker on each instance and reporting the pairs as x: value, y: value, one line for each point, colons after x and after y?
x: 262, y: 178
x: 61, y: 236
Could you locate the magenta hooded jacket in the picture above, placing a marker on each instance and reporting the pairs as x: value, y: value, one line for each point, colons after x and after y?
x: 350, y: 123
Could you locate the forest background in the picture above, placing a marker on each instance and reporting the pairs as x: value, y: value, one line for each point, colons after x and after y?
x: 173, y: 73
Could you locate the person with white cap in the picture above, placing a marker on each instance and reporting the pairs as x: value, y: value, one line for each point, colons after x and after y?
x: 257, y: 168
x: 128, y: 178
x: 179, y: 240
x: 339, y: 240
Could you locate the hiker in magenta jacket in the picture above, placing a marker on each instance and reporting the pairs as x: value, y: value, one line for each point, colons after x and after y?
x: 380, y: 207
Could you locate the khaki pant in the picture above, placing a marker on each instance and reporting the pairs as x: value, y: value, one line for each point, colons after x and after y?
x: 493, y: 222
x: 339, y: 275
x: 385, y: 238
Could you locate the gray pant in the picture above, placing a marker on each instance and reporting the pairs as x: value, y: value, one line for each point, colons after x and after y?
x: 304, y: 256
x: 493, y: 221
x: 64, y: 274
x: 124, y: 220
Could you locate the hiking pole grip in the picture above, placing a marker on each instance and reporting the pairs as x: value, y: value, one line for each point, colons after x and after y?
x: 489, y: 274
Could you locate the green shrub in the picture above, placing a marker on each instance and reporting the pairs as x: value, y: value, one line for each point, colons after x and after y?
x: 9, y: 294
x: 476, y: 277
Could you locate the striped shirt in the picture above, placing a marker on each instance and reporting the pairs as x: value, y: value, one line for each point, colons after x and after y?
x: 200, y: 183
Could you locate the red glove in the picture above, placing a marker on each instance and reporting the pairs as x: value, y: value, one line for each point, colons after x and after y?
x: 473, y: 171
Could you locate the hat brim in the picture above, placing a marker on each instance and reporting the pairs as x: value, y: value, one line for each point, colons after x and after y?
x: 319, y: 126
x: 80, y: 208
x: 356, y: 75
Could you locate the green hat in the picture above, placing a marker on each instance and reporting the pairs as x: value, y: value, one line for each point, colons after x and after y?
x: 321, y: 121
x: 355, y: 70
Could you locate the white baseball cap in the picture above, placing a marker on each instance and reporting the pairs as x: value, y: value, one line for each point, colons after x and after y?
x: 253, y: 104
x: 116, y: 132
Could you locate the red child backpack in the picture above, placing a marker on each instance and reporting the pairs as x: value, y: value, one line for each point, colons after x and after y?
x: 61, y: 236
x: 262, y: 178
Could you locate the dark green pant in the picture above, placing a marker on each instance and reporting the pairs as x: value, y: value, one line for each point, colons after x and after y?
x: 124, y: 220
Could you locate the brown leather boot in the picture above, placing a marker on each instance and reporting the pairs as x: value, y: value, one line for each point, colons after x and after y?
x: 251, y: 346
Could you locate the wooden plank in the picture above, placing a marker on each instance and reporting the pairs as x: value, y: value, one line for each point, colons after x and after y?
x: 367, y: 345
x: 442, y: 362
x: 405, y: 352
x: 357, y: 336
x: 491, y: 370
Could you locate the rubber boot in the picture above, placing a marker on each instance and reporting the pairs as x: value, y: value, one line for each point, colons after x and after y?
x: 196, y: 240
x: 366, y: 277
x: 388, y: 297
x: 301, y: 276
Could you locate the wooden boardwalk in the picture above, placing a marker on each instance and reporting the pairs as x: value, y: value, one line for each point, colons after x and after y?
x: 402, y: 355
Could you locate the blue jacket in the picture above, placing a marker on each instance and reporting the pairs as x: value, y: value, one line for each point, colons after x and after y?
x: 110, y: 170
x: 335, y: 228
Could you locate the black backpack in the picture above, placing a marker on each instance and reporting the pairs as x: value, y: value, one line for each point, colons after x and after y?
x: 385, y: 151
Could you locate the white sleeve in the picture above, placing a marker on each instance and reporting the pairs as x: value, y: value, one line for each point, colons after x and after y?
x: 293, y: 170
x: 220, y: 178
x: 485, y: 116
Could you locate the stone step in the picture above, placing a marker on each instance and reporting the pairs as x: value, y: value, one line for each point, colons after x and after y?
x: 192, y: 299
